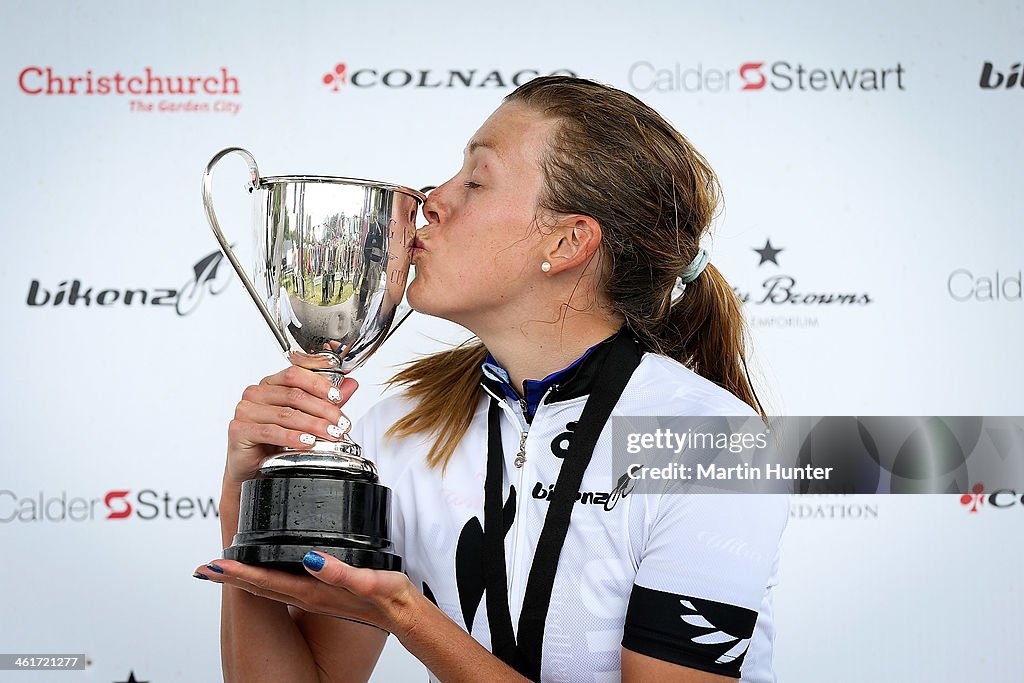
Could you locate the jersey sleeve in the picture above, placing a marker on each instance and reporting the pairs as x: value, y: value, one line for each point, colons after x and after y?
x: 702, y: 593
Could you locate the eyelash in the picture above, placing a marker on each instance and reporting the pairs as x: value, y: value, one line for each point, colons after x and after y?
x: 470, y: 185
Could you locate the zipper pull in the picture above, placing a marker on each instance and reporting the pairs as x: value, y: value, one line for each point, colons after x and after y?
x: 521, y: 455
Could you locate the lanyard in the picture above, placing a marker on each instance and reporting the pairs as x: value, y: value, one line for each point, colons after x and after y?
x: 525, y: 655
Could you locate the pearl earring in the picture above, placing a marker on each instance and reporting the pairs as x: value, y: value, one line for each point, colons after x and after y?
x: 545, y: 266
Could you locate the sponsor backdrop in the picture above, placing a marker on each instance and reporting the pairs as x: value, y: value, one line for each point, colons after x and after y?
x: 870, y: 156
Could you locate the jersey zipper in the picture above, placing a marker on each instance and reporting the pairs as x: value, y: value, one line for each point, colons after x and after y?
x: 519, y: 421
x: 521, y: 455
x: 517, y: 544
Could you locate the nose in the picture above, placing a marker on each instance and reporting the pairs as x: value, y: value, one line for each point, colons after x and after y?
x: 431, y: 208
x: 437, y: 208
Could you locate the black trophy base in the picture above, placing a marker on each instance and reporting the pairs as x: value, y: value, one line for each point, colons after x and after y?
x: 283, y: 518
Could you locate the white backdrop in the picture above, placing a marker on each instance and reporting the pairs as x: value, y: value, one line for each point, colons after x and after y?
x: 906, y: 197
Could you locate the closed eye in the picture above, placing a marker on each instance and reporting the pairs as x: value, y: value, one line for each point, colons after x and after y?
x: 470, y: 185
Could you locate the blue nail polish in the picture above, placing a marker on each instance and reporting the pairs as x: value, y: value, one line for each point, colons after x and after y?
x: 313, y: 561
x: 215, y: 568
x: 204, y: 577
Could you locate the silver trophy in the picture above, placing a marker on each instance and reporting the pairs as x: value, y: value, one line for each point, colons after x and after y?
x: 332, y: 261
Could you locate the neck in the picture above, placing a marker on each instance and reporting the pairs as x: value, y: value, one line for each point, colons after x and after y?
x: 535, y: 350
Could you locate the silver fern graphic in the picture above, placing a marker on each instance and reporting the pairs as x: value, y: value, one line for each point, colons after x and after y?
x: 715, y: 637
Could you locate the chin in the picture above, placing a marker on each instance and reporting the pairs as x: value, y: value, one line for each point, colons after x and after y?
x: 419, y: 300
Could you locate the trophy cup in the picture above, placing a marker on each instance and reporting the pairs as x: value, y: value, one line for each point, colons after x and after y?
x: 332, y: 260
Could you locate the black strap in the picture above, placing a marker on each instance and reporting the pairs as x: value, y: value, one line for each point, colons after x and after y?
x: 503, y: 639
x: 525, y: 656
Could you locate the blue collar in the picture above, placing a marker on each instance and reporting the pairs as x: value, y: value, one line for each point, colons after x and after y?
x: 533, y: 389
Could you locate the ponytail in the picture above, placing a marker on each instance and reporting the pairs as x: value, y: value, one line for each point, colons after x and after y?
x: 706, y: 332
x: 445, y: 389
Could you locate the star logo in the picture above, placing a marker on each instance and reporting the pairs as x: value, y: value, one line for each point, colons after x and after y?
x: 767, y: 253
x: 132, y: 679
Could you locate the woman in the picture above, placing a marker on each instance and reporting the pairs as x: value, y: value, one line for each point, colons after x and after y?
x: 561, y: 244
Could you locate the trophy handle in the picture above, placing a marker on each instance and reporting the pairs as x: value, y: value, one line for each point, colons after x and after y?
x: 254, y: 184
x: 402, y: 314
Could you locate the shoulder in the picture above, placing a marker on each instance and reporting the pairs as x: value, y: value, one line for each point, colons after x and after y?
x: 664, y: 386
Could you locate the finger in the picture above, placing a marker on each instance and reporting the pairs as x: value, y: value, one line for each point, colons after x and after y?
x: 292, y: 419
x: 252, y: 578
x: 249, y: 434
x: 316, y: 383
x: 333, y: 571
x: 291, y: 397
x: 206, y: 574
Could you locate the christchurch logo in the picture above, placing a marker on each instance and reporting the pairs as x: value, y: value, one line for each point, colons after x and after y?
x: 336, y: 77
x: 208, y: 277
x: 975, y: 498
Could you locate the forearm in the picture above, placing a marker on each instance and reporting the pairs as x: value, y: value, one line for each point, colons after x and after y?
x: 259, y: 639
x: 444, y: 647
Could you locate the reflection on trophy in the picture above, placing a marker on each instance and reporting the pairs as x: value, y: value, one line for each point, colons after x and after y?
x: 332, y: 260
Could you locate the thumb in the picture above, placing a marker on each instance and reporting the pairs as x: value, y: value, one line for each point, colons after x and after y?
x: 327, y: 568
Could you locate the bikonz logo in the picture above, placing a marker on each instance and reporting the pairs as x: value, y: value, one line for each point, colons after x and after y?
x: 342, y: 75
x: 207, y: 278
x: 994, y: 79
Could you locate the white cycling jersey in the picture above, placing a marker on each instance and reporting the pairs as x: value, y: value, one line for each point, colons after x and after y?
x: 683, y: 578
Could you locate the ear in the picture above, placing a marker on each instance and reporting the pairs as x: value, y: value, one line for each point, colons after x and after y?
x: 572, y: 242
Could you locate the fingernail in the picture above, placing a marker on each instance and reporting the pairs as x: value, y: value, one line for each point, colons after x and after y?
x: 333, y: 395
x: 344, y: 424
x: 334, y: 431
x: 308, y: 439
x: 204, y: 577
x: 215, y: 568
x: 313, y: 561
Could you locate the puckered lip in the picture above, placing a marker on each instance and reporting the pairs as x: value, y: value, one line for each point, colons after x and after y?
x: 417, y: 245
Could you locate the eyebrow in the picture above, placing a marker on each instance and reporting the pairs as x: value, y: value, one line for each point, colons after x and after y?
x: 477, y: 144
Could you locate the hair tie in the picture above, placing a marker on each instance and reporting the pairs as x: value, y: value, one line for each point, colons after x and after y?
x: 690, y: 273
x: 695, y: 268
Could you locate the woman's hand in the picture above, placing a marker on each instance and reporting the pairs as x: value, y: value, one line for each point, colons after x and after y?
x: 375, y: 597
x: 291, y: 408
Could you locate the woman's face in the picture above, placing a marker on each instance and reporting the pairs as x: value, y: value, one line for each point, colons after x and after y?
x: 480, y: 253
